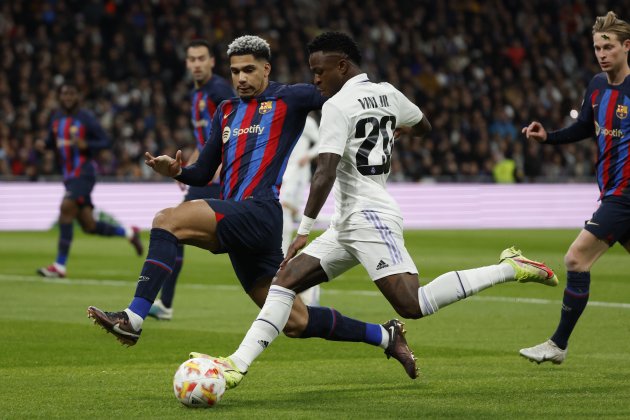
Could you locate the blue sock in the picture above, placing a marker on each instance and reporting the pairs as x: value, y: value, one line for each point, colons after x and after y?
x: 329, y: 324
x: 573, y: 304
x: 140, y: 306
x: 156, y: 269
x: 107, y: 229
x: 65, y: 240
x: 168, y: 288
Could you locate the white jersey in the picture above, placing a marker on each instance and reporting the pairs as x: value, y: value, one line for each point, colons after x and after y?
x: 358, y: 124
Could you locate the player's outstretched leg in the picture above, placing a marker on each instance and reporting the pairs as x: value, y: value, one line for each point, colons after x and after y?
x: 457, y: 285
x: 398, y: 349
x: 232, y: 375
x: 126, y: 325
x: 545, y: 352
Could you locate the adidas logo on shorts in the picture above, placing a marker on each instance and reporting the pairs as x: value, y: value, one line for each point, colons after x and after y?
x: 381, y: 264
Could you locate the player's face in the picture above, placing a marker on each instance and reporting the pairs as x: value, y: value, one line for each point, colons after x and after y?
x: 250, y: 75
x: 69, y: 97
x: 327, y: 71
x: 200, y: 64
x: 610, y: 52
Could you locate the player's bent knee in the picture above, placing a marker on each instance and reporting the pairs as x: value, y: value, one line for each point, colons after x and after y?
x: 163, y: 219
x: 409, y: 311
x: 573, y: 262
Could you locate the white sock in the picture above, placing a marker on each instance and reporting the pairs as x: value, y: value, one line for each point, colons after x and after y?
x: 135, y: 319
x: 384, y: 338
x: 457, y: 285
x: 60, y: 267
x: 270, y: 321
x: 128, y: 232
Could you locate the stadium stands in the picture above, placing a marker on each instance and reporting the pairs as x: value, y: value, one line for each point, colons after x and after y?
x: 480, y: 70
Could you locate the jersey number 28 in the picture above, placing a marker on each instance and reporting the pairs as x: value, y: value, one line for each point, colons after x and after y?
x: 379, y: 130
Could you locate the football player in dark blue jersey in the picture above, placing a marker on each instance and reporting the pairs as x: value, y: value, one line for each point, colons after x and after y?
x: 77, y: 137
x: 605, y: 116
x: 251, y: 138
x: 209, y: 91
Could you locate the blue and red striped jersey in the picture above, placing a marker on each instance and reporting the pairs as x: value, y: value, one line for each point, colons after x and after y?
x: 205, y: 100
x: 252, y: 138
x: 64, y: 135
x: 607, y: 107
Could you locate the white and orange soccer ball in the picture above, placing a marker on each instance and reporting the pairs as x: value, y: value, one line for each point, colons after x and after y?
x: 199, y: 383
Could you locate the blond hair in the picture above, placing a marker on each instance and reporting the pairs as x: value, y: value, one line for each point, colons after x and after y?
x: 612, y: 24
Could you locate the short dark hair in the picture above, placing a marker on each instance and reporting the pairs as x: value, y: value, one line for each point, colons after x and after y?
x: 250, y: 44
x: 200, y: 43
x: 68, y: 83
x: 336, y: 42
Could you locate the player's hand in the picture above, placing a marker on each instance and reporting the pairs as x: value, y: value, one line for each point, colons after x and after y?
x: 298, y: 243
x: 535, y: 131
x: 82, y: 144
x: 165, y: 165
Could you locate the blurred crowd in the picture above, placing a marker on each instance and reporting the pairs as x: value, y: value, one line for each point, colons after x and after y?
x: 480, y: 70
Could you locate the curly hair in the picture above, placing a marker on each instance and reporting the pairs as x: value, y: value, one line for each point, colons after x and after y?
x: 250, y: 44
x: 336, y: 42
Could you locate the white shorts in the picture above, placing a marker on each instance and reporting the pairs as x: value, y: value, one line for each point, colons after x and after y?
x: 294, y: 185
x: 376, y: 242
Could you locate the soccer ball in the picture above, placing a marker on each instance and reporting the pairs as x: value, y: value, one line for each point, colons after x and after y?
x: 199, y: 382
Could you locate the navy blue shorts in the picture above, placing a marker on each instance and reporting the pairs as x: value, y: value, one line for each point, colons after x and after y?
x: 611, y: 221
x: 80, y: 190
x: 208, y: 191
x: 250, y: 231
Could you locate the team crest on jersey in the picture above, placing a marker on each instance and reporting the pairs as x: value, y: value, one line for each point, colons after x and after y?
x: 265, y: 107
x: 622, y: 111
x: 201, y: 105
x: 74, y: 131
x: 226, y: 134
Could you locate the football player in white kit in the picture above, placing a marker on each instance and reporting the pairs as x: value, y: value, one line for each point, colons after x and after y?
x: 356, y: 134
x: 295, y: 180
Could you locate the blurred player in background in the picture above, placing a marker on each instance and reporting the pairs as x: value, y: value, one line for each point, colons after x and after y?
x: 605, y: 114
x: 77, y: 137
x: 209, y: 91
x: 356, y: 133
x: 294, y: 184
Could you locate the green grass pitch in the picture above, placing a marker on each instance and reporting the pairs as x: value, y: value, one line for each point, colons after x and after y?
x: 55, y: 364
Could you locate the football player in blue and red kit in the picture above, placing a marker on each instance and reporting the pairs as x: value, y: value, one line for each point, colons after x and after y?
x: 209, y: 91
x: 605, y: 115
x: 77, y: 137
x: 252, y: 137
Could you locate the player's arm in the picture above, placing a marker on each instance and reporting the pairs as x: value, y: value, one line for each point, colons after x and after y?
x: 321, y: 184
x: 575, y: 132
x: 97, y: 138
x: 581, y: 129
